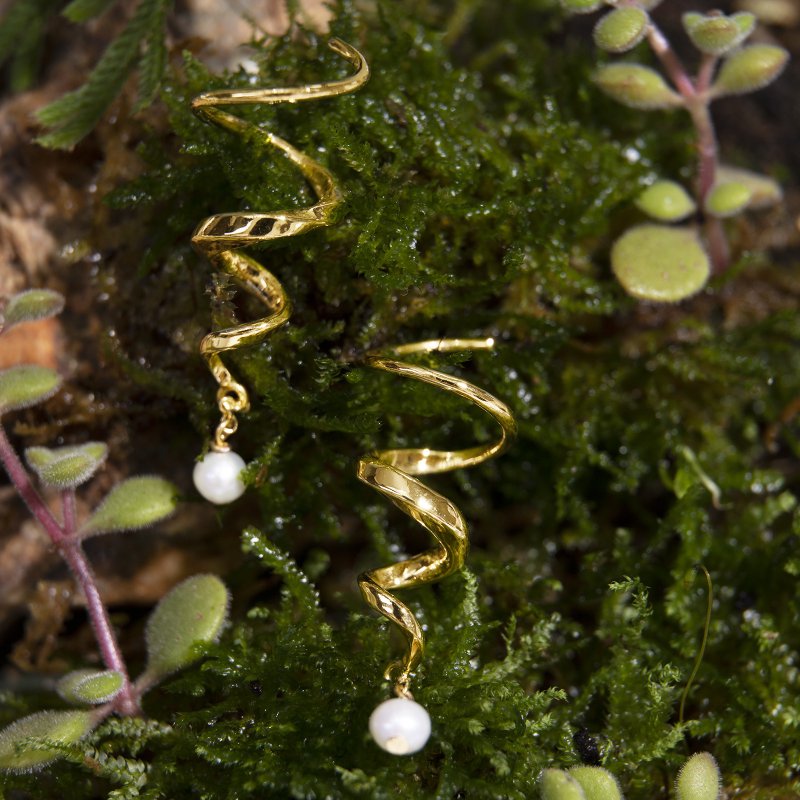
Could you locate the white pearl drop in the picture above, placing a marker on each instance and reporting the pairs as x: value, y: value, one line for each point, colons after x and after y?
x: 400, y: 726
x: 218, y: 476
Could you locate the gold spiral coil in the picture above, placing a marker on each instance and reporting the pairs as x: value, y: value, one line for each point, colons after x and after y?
x: 391, y: 472
x: 219, y: 237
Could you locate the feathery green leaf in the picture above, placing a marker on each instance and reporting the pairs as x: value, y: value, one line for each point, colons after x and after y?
x: 72, y: 116
x: 84, y: 10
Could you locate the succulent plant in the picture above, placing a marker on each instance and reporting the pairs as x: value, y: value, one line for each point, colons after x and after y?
x: 191, y: 615
x: 698, y: 779
x: 657, y: 262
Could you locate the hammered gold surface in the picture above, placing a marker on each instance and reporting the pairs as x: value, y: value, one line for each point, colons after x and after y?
x: 392, y: 473
x: 220, y: 236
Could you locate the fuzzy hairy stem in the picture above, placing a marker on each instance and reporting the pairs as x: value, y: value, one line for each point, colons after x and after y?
x: 706, y: 148
x: 670, y: 61
x: 708, y: 155
x: 63, y: 537
x: 127, y: 701
x: 22, y: 483
x: 705, y: 75
x: 68, y: 506
x: 718, y: 247
x: 696, y: 101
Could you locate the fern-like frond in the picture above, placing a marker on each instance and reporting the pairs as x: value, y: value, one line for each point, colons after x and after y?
x: 72, y: 116
x: 84, y: 10
x: 154, y: 58
x: 21, y: 38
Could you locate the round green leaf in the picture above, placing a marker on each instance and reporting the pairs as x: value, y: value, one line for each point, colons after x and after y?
x: 746, y: 23
x: 636, y: 86
x: 66, y: 467
x: 192, y: 614
x: 597, y: 783
x: 134, y: 503
x: 659, y: 263
x: 727, y: 199
x: 90, y: 686
x: 764, y: 191
x: 749, y: 69
x: 58, y: 727
x: 581, y: 6
x: 666, y: 201
x: 32, y: 305
x: 699, y: 779
x: 621, y: 29
x: 555, y: 784
x: 717, y: 34
x: 690, y: 19
x: 26, y: 385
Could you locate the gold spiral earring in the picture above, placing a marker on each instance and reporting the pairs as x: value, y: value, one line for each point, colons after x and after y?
x: 400, y: 725
x: 218, y: 476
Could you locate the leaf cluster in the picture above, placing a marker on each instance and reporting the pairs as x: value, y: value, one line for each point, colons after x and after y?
x: 192, y: 614
x: 653, y: 261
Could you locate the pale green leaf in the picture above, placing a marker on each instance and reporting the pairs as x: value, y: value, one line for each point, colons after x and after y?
x: 690, y: 19
x: 597, y: 783
x: 749, y: 69
x: 26, y: 385
x: 581, y: 6
x: 699, y: 779
x: 727, y: 199
x: 190, y: 616
x: 556, y: 784
x: 666, y: 201
x: 764, y: 191
x: 135, y: 503
x: 66, y: 467
x: 31, y: 305
x: 47, y: 727
x: 621, y: 29
x: 659, y: 263
x: 636, y: 86
x: 717, y: 34
x: 90, y: 686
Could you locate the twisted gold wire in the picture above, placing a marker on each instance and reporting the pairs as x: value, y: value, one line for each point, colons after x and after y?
x: 391, y: 473
x: 220, y: 236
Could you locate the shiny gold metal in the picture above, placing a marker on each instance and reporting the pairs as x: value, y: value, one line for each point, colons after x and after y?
x: 391, y: 473
x: 220, y: 236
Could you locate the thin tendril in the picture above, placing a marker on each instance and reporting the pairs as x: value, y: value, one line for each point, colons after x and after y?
x: 701, y: 652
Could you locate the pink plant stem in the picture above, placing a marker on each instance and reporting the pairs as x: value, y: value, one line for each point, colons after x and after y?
x: 72, y: 552
x: 706, y: 175
x: 69, y: 511
x: 718, y: 247
x: 69, y: 546
x: 706, y: 147
x: 704, y: 125
x: 705, y: 75
x: 696, y: 101
x: 22, y: 483
x: 672, y: 64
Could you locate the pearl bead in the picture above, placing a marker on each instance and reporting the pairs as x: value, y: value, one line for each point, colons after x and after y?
x: 218, y: 476
x: 400, y: 726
